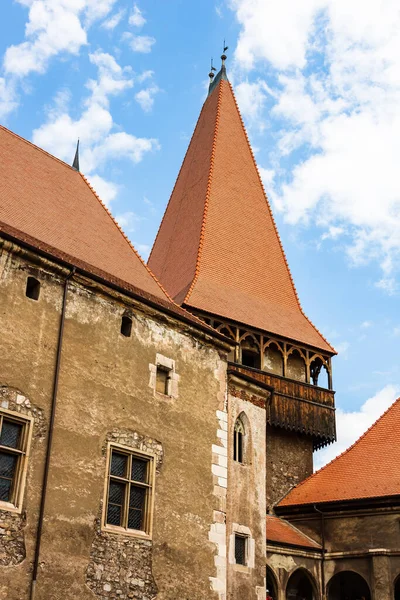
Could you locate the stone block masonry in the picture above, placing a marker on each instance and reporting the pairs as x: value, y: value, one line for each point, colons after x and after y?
x: 217, y: 533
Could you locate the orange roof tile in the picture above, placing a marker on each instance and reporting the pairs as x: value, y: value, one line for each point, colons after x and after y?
x: 47, y: 204
x: 218, y: 249
x: 370, y: 468
x: 283, y: 532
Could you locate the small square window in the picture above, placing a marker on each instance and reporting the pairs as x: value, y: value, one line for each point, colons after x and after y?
x: 14, y: 444
x: 240, y: 549
x: 162, y: 380
x: 32, y: 288
x: 130, y: 485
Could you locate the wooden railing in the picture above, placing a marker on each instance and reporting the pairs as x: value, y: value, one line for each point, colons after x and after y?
x: 297, y: 406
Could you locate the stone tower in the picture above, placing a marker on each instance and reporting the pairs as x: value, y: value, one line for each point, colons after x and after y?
x: 219, y: 255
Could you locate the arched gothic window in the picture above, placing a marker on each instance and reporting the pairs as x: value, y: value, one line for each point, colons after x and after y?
x: 238, y: 441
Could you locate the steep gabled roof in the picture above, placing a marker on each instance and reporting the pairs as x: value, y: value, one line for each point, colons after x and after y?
x: 48, y: 205
x: 370, y: 468
x: 218, y: 249
x: 50, y: 201
x: 280, y: 531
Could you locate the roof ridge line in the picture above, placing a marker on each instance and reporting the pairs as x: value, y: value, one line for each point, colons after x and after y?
x: 374, y: 424
x: 126, y: 237
x: 206, y: 202
x: 176, y: 180
x: 37, y: 147
x: 274, y: 223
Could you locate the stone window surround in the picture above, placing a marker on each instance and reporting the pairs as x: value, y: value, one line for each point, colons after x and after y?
x: 21, y: 471
x: 243, y: 531
x: 149, y: 509
x: 167, y: 364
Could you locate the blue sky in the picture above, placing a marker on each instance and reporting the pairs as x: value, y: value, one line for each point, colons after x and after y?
x: 318, y: 85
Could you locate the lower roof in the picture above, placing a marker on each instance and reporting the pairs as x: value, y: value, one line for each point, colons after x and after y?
x: 282, y: 532
x: 369, y: 469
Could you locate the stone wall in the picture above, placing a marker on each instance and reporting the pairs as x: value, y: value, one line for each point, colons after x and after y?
x: 289, y: 461
x: 104, y: 387
x: 246, y: 492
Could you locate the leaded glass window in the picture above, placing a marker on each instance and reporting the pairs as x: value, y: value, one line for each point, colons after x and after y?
x: 13, y: 448
x: 130, y: 482
x: 240, y: 549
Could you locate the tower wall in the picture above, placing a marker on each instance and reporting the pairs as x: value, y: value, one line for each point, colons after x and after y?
x: 289, y: 461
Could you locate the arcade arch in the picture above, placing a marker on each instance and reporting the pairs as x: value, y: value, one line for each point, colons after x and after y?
x: 348, y: 585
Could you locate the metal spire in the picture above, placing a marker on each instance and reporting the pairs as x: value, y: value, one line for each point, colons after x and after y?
x: 211, y: 73
x: 75, y: 164
x: 221, y: 73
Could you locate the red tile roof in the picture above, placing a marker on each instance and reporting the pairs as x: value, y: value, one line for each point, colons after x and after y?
x: 283, y: 532
x: 370, y: 468
x: 218, y: 249
x: 46, y: 204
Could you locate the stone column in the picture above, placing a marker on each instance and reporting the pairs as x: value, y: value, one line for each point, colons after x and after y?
x: 381, y: 579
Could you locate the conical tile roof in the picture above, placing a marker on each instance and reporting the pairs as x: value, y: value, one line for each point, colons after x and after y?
x: 218, y: 249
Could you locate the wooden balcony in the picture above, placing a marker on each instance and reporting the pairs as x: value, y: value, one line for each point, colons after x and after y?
x: 297, y: 406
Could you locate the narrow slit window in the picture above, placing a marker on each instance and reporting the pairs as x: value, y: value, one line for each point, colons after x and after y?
x: 14, y: 437
x: 240, y: 549
x: 162, y: 380
x: 32, y: 288
x: 238, y: 442
x: 129, y: 492
x: 126, y: 326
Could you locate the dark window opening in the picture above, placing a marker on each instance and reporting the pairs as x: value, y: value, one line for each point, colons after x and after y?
x: 238, y: 439
x: 126, y: 326
x: 240, y: 549
x: 32, y: 288
x: 250, y: 359
x: 162, y: 380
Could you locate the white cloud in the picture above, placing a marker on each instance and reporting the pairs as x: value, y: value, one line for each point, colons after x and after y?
x: 337, y: 74
x: 342, y: 349
x: 106, y: 190
x: 8, y: 98
x: 128, y: 221
x: 53, y: 27
x: 114, y: 20
x: 251, y: 99
x: 143, y: 249
x: 142, y: 43
x: 351, y: 425
x: 366, y: 324
x: 137, y: 19
x: 144, y: 76
x: 94, y: 127
x: 145, y: 97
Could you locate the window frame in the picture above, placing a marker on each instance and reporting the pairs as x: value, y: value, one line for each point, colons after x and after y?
x: 19, y: 479
x: 244, y: 537
x: 149, y: 507
x: 239, y: 433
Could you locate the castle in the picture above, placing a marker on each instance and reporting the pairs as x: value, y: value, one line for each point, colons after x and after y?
x: 158, y: 422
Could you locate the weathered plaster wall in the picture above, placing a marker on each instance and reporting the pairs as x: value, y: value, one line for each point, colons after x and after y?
x: 104, y: 386
x: 246, y: 500
x: 289, y: 461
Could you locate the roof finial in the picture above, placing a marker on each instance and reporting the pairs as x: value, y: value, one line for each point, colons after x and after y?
x: 211, y: 73
x: 75, y: 164
x: 223, y: 57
